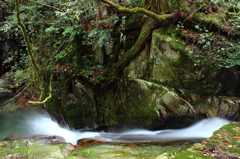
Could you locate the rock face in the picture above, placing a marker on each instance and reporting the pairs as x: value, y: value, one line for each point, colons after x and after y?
x: 145, y: 104
x: 166, y: 66
x: 42, y: 148
x: 150, y: 105
x: 161, y: 88
x: 72, y: 103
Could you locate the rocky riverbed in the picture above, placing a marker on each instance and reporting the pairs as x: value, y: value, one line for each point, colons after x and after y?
x: 223, y: 144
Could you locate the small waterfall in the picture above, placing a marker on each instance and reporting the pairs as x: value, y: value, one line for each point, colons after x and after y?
x: 200, y: 130
x: 40, y: 124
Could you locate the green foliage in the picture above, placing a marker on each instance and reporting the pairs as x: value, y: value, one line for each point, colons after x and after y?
x: 205, y: 38
x: 20, y: 76
x: 186, y: 9
x: 212, y: 48
x: 57, y: 32
x: 227, y: 56
x: 234, y: 3
x: 217, y: 50
x: 99, y: 37
x: 179, y: 25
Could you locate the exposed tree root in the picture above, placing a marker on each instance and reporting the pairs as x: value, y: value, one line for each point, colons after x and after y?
x: 146, y: 31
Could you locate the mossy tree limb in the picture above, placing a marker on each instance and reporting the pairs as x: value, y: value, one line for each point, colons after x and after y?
x: 26, y: 38
x: 146, y: 31
x: 158, y: 18
x: 47, y: 98
x: 30, y: 53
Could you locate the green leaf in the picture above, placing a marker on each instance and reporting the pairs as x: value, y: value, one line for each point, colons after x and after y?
x: 196, y: 27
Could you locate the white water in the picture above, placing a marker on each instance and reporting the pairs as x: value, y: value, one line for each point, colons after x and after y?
x: 39, y: 124
x: 200, y: 130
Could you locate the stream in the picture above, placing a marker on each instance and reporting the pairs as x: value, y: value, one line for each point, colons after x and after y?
x: 25, y: 124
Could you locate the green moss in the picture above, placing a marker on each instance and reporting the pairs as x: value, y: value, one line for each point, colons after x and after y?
x: 170, y: 36
x: 128, y: 150
x: 176, y: 44
x: 196, y: 16
x: 108, y: 109
x: 186, y: 9
x: 131, y: 103
x: 135, y: 18
x: 224, y: 141
x: 190, y: 154
x: 212, y: 19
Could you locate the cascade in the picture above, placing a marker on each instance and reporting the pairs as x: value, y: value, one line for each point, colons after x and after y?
x: 29, y: 124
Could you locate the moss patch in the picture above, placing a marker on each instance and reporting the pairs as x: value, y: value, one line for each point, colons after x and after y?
x: 95, y: 149
x: 223, y: 144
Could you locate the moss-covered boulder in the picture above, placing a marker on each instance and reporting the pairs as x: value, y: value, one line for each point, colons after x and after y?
x: 93, y: 149
x: 223, y: 144
x: 38, y: 148
x: 72, y: 103
x: 141, y: 103
x: 193, y: 90
x: 168, y: 60
x: 145, y: 104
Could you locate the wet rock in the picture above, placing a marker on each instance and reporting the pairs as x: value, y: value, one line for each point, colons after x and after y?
x: 72, y: 103
x: 222, y: 106
x: 223, y: 144
x: 150, y: 105
x: 37, y: 148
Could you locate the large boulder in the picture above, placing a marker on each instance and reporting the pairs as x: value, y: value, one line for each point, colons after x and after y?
x: 38, y: 148
x: 168, y: 61
x: 72, y: 103
x: 193, y: 90
x: 161, y: 88
x: 143, y: 104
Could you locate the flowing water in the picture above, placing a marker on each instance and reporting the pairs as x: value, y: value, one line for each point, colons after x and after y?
x: 29, y: 124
